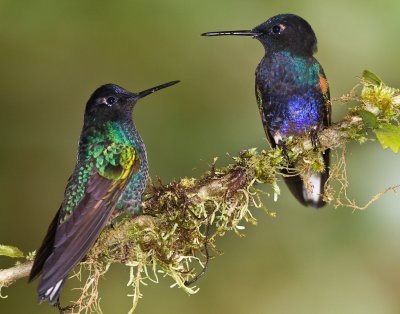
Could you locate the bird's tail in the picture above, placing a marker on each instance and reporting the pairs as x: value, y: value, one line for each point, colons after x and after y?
x: 309, y: 188
x: 52, y: 293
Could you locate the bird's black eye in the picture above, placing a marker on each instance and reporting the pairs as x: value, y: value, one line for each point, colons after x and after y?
x: 111, y: 100
x: 277, y: 29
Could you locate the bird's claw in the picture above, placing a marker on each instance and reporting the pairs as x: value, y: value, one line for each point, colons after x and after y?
x: 314, y: 139
x: 283, y: 147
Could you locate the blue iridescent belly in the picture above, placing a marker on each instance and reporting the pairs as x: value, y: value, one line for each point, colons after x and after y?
x: 298, y: 114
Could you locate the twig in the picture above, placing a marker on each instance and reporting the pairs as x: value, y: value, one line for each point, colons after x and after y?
x: 8, y: 276
x: 169, y: 235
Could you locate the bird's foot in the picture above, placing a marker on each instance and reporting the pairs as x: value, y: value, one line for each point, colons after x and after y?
x: 63, y: 310
x: 283, y: 147
x: 314, y: 139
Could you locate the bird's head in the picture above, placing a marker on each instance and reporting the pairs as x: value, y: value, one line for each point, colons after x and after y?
x: 283, y: 32
x: 111, y: 102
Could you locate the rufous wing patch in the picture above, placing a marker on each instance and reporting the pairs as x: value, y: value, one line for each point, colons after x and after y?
x: 323, y: 83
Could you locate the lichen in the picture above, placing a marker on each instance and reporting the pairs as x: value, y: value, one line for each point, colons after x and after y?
x: 181, y: 221
x: 175, y: 236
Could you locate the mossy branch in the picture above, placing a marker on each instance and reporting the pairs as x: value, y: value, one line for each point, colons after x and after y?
x: 176, y: 233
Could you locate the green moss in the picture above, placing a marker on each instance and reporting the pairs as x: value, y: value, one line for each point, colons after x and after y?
x: 182, y: 220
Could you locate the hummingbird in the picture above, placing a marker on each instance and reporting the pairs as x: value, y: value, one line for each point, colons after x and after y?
x: 292, y: 94
x: 110, y: 175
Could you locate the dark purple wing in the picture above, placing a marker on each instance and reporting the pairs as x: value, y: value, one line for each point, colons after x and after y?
x: 67, y: 243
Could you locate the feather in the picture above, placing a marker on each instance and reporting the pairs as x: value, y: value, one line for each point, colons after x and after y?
x: 302, y: 192
x: 74, y: 237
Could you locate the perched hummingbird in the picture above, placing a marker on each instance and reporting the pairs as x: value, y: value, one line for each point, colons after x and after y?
x: 110, y: 176
x: 292, y: 94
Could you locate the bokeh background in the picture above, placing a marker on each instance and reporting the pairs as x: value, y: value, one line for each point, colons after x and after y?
x: 53, y: 54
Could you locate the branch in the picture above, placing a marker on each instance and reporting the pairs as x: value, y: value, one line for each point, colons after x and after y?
x: 176, y: 233
x: 8, y: 276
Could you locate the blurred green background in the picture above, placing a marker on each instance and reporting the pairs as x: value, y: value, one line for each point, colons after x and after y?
x: 55, y: 53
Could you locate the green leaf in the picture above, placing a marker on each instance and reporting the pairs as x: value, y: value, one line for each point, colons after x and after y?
x: 371, y: 77
x: 10, y: 251
x: 389, y: 136
x: 369, y: 119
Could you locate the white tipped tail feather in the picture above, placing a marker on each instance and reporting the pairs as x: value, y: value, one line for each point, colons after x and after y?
x: 312, y: 190
x: 52, y: 293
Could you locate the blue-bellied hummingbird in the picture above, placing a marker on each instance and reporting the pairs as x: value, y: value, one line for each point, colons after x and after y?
x: 292, y: 94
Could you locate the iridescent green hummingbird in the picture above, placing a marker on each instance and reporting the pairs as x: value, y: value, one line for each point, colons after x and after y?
x: 110, y: 176
x: 292, y: 94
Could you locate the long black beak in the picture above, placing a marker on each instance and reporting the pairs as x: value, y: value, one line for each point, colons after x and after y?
x: 233, y: 33
x: 154, y: 89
